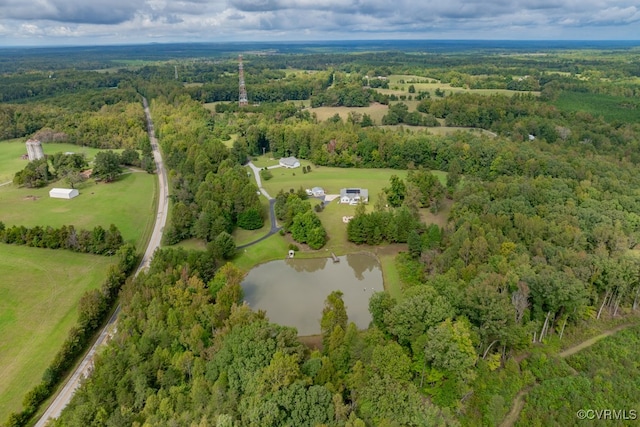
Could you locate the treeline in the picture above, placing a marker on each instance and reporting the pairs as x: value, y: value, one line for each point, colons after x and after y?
x: 211, y: 190
x: 41, y: 84
x: 348, y: 95
x: 93, y: 309
x: 97, y: 241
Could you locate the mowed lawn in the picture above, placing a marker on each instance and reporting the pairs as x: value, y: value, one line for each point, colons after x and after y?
x: 332, y: 180
x: 40, y: 290
x: 128, y: 203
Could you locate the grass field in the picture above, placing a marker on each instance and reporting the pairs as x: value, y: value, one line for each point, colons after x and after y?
x: 40, y: 291
x: 397, y: 88
x: 612, y: 108
x: 128, y: 203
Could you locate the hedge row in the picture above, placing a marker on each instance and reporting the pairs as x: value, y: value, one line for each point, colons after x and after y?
x: 97, y: 241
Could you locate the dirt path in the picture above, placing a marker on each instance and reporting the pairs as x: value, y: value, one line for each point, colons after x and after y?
x: 518, y: 405
x: 591, y: 341
x: 518, y: 401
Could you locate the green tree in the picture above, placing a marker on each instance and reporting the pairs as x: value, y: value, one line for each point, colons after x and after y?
x: 414, y: 242
x: 223, y: 246
x: 334, y: 314
x: 396, y: 192
x: 449, y: 349
x: 420, y: 309
x: 106, y: 166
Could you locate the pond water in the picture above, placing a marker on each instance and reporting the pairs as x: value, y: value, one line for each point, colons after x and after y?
x: 293, y: 291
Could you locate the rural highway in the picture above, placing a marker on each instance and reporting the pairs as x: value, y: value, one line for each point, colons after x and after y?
x: 85, y: 366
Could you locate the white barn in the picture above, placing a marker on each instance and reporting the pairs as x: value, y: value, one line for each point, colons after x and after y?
x: 63, y: 193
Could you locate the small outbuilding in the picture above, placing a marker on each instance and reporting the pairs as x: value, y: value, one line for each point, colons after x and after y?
x: 63, y: 193
x: 317, y: 191
x: 289, y: 162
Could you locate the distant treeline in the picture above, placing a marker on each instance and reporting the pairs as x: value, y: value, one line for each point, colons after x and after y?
x: 97, y: 241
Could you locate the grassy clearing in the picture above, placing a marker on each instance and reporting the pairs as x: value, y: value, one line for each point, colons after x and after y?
x: 264, y: 161
x: 375, y: 110
x: 397, y: 88
x: 128, y: 203
x: 192, y: 244
x: 40, y: 291
x: 272, y: 248
x: 331, y: 179
x: 390, y: 275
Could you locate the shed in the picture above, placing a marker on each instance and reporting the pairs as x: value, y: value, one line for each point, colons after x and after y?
x: 289, y: 162
x: 317, y: 191
x: 63, y: 193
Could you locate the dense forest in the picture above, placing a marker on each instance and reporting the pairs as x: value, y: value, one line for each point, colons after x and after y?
x: 539, y: 243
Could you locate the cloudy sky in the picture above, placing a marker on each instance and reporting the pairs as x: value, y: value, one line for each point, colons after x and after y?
x: 82, y: 22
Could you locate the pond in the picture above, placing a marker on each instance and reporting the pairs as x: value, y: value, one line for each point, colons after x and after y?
x: 293, y: 291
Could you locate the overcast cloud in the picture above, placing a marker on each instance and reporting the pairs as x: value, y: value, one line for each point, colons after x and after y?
x: 49, y: 22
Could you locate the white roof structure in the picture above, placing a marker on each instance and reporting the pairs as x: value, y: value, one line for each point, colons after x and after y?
x: 63, y: 193
x: 289, y: 162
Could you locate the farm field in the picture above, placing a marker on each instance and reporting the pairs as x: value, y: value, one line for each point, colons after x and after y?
x: 128, y: 203
x: 375, y: 110
x: 40, y: 291
x: 397, y: 88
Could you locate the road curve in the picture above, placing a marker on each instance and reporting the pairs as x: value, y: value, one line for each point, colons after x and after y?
x: 84, y: 368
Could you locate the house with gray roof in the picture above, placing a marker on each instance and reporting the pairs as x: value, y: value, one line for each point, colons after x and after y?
x: 289, y: 162
x: 354, y: 196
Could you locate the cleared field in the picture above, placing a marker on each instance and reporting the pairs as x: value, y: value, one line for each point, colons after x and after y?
x: 376, y: 111
x: 397, y: 88
x: 40, y: 291
x: 128, y: 203
x: 12, y: 150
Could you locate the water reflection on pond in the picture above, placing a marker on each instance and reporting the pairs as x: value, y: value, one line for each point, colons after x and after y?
x: 293, y: 291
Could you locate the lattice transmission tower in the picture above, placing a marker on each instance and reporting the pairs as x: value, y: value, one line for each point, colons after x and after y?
x: 242, y: 100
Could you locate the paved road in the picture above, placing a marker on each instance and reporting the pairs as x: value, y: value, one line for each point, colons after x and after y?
x: 272, y: 214
x: 85, y: 366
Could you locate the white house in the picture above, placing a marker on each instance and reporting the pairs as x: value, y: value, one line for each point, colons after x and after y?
x: 317, y: 191
x: 354, y: 195
x: 63, y: 193
x: 289, y: 162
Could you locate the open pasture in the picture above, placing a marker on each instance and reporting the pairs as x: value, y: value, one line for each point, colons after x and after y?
x: 128, y: 203
x: 430, y: 85
x: 40, y: 291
